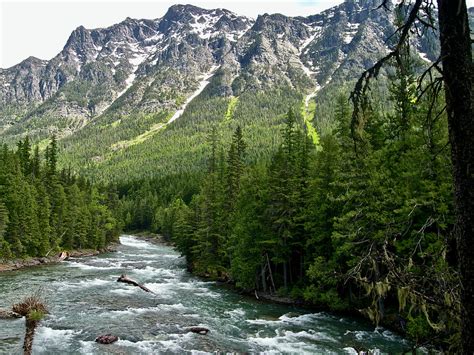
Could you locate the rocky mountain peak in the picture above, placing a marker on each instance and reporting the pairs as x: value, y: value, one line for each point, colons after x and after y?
x: 154, y: 65
x: 32, y: 61
x: 202, y: 22
x: 79, y: 35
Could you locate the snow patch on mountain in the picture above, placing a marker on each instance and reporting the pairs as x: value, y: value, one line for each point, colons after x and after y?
x: 311, y: 96
x: 202, y: 85
x: 203, y: 25
x: 311, y: 38
x: 155, y: 38
x: 308, y: 70
x: 140, y: 56
x: 350, y: 32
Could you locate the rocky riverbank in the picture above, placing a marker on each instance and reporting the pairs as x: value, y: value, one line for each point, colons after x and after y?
x: 17, y: 264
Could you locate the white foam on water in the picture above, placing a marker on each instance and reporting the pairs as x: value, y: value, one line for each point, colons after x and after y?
x: 171, y: 256
x: 94, y: 282
x: 173, y: 307
x: 147, y: 346
x: 171, y: 345
x: 192, y: 315
x: 178, y: 307
x: 199, y: 352
x: 83, y: 283
x: 288, y: 319
x: 125, y: 291
x: 236, y: 313
x: 369, y: 336
x: 304, y: 318
x: 89, y: 267
x: 152, y: 271
x: 263, y: 321
x: 87, y: 347
x: 282, y: 344
x: 47, y: 337
x: 310, y: 334
x: 161, y: 289
x: 389, y: 335
x: 174, y: 341
x: 146, y: 258
x: 351, y: 351
x: 211, y: 294
x: 197, y: 287
x: 133, y: 311
x: 172, y: 288
x: 172, y: 285
x: 136, y: 261
x: 130, y: 241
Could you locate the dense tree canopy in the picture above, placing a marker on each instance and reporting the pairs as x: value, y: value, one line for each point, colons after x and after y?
x: 43, y: 210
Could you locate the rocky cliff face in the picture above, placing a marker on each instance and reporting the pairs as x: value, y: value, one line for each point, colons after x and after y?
x: 157, y: 65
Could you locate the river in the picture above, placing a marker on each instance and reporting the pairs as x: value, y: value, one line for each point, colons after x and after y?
x: 85, y: 301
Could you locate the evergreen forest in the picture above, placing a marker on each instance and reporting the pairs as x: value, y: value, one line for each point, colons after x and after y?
x: 44, y: 210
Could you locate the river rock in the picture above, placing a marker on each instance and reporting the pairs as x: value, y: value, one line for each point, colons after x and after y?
x: 199, y: 330
x: 106, y: 339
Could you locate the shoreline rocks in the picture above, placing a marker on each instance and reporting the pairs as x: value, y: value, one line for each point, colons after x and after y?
x: 17, y: 264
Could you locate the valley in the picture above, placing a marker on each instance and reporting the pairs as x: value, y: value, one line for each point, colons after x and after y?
x: 322, y: 159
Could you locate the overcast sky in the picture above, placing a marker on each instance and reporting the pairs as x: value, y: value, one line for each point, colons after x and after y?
x: 40, y: 28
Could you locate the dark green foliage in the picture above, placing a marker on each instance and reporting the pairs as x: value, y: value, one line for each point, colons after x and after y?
x: 42, y: 210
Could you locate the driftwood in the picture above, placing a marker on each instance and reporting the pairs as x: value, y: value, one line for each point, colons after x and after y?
x: 124, y: 278
x: 64, y: 255
x: 8, y: 314
x: 199, y: 330
x: 106, y: 339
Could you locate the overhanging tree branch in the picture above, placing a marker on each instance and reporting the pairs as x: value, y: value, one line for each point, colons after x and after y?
x: 362, y: 85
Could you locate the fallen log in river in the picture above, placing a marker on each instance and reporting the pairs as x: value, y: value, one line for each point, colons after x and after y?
x: 124, y: 278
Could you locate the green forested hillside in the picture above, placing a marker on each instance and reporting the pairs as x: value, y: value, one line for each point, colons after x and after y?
x: 43, y: 210
x: 140, y: 146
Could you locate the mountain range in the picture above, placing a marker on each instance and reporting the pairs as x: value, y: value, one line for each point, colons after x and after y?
x: 139, y: 98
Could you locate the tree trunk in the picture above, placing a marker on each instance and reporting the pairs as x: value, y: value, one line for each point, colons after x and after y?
x: 271, y: 274
x: 301, y: 265
x: 29, y: 336
x: 264, y: 278
x: 458, y: 77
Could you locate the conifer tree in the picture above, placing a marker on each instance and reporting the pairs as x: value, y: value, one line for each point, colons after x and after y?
x: 235, y: 166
